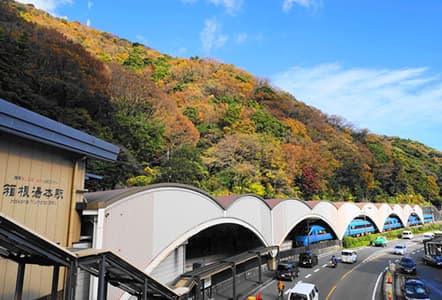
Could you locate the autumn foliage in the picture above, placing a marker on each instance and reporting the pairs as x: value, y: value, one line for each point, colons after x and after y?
x: 199, y: 121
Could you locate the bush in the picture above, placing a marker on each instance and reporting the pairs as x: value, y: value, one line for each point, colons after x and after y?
x: 354, y: 242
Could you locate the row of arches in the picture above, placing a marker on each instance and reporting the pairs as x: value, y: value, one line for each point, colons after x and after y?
x: 171, y: 223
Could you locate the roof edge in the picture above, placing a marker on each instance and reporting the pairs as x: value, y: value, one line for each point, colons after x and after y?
x: 22, y: 122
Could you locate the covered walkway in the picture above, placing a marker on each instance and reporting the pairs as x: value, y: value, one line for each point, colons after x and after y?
x: 25, y: 247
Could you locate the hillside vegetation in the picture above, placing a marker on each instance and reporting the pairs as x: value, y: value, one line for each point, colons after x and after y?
x: 199, y: 121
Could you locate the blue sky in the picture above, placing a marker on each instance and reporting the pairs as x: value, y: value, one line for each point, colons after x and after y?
x: 376, y: 63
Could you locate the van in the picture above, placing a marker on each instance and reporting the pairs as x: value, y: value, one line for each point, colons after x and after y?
x: 303, y: 291
x: 406, y: 234
x: 349, y: 256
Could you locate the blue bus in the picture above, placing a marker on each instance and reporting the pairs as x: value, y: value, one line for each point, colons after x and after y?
x: 359, y: 227
x: 392, y: 223
x: 316, y: 234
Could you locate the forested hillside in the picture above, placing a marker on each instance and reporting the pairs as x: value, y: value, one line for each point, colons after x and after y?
x: 199, y: 121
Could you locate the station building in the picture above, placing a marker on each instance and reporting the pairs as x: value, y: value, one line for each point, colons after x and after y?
x: 42, y: 176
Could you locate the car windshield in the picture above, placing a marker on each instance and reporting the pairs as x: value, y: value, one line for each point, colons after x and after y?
x: 407, y: 260
x: 400, y: 246
x: 296, y: 296
x: 416, y: 289
x: 283, y: 267
x: 346, y: 253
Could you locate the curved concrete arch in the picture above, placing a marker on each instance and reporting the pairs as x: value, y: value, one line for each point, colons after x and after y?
x: 352, y: 211
x: 399, y: 212
x: 385, y: 210
x: 407, y: 210
x: 419, y: 212
x: 254, y: 211
x: 151, y: 265
x: 284, y: 215
x: 162, y: 217
x: 346, y: 213
x: 148, y: 215
x: 299, y: 221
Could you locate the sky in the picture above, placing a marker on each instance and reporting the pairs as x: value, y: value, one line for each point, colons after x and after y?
x: 375, y: 63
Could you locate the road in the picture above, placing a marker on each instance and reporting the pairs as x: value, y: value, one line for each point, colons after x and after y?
x: 362, y: 280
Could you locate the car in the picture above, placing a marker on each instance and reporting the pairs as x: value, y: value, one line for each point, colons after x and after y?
x: 428, y: 236
x: 380, y: 241
x: 400, y: 249
x: 415, y: 288
x: 407, y: 265
x: 287, y: 271
x: 308, y: 259
x: 407, y: 234
x: 349, y: 256
x: 434, y: 260
x: 303, y: 291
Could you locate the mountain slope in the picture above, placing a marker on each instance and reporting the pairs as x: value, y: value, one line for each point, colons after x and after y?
x: 199, y: 121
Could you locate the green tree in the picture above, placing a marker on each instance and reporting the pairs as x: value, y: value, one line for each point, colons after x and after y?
x: 183, y: 165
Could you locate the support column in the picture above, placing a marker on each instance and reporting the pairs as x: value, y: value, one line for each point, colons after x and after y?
x: 233, y: 281
x: 259, y: 267
x: 55, y: 276
x: 20, y: 279
x: 102, y: 279
x: 145, y: 289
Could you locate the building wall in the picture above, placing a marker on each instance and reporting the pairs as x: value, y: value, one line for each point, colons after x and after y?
x: 37, y: 191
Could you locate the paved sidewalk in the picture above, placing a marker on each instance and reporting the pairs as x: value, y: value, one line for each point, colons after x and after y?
x: 246, y: 285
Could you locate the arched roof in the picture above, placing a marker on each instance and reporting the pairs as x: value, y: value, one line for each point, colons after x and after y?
x: 104, y: 199
x: 149, y: 211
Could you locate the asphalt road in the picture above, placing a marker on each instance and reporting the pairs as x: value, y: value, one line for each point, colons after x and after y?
x: 362, y: 280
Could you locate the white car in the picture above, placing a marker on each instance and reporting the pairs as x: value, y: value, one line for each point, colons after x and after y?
x: 303, y: 291
x: 407, y: 234
x: 349, y: 256
x: 400, y: 249
x: 428, y: 236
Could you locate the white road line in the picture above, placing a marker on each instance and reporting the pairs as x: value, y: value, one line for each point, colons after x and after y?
x: 324, y: 265
x: 307, y: 276
x: 373, y: 297
x: 316, y: 270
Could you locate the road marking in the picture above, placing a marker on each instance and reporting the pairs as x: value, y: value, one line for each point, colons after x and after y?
x: 376, y: 286
x: 316, y: 270
x: 331, y: 292
x: 351, y: 270
x: 307, y: 276
x: 324, y: 265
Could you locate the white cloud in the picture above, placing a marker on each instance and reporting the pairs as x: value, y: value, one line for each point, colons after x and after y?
x: 88, y: 23
x: 211, y: 36
x: 288, y: 4
x: 241, y: 37
x: 47, y: 5
x: 232, y: 6
x: 404, y: 102
x: 89, y: 4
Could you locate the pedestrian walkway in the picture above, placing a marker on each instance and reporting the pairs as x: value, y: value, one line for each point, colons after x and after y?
x: 247, y: 284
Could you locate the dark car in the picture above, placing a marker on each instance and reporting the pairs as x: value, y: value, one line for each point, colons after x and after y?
x: 287, y: 271
x: 415, y: 289
x: 435, y: 260
x: 407, y: 265
x: 308, y: 259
